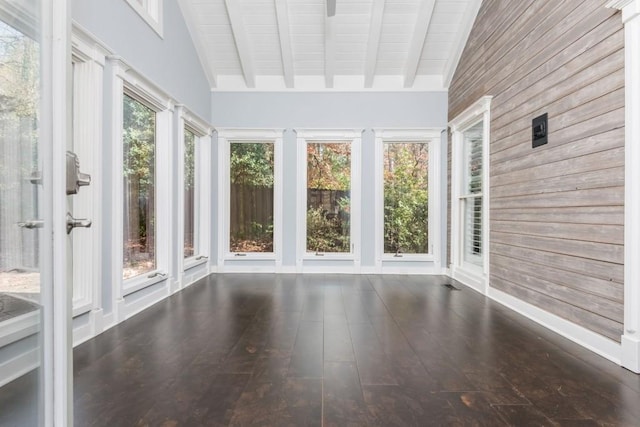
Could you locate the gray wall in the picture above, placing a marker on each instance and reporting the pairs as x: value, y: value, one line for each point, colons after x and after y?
x: 170, y: 62
x: 330, y: 110
x: 333, y: 110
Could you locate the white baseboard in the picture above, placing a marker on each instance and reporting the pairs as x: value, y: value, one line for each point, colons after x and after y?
x: 586, y: 338
x: 630, y: 357
x: 19, y: 327
x: 135, y: 307
x: 18, y: 366
x: 473, y: 281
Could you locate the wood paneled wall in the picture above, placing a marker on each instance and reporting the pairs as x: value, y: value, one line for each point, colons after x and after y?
x: 556, y: 211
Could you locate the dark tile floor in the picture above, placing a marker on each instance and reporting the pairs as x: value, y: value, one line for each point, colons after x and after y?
x: 342, y: 350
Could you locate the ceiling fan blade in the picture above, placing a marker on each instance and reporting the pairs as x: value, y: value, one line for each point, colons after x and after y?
x: 331, y: 7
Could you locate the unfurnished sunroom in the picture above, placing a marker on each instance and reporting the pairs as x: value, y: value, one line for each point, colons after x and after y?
x: 292, y: 212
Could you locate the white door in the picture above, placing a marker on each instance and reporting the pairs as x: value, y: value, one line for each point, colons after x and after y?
x: 35, y: 300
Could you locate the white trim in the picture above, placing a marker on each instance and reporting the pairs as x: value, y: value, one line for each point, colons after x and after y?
x: 88, y: 61
x: 54, y: 132
x: 142, y: 281
x: 124, y: 80
x: 423, y: 20
x: 243, y: 44
x: 464, y: 272
x: 586, y: 338
x: 329, y: 50
x: 132, y: 307
x: 225, y: 138
x: 151, y: 12
x: 341, y: 83
x: 373, y: 43
x: 282, y: 14
x: 19, y: 327
x: 472, y: 9
x: 354, y: 138
x: 630, y: 357
x: 202, y: 192
x: 433, y: 138
x: 17, y: 366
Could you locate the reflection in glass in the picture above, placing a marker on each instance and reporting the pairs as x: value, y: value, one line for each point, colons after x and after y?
x: 139, y: 139
x: 328, y: 197
x: 406, y: 197
x: 19, y: 170
x: 251, y: 197
x: 189, y: 193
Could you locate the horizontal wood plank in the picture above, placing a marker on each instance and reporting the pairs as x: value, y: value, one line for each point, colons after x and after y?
x: 556, y: 223
x: 603, y: 270
x: 590, y: 250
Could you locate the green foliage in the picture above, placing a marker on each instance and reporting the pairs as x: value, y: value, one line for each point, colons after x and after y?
x: 329, y: 166
x: 406, y: 198
x: 252, y: 164
x: 189, y: 159
x: 326, y: 233
x: 139, y: 133
x: 251, y: 173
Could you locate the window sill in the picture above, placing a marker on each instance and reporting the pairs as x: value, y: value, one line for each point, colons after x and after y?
x: 408, y: 258
x: 143, y: 281
x: 250, y: 256
x: 311, y: 256
x: 194, y: 261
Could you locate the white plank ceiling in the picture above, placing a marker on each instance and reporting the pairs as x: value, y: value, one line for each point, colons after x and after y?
x: 293, y: 44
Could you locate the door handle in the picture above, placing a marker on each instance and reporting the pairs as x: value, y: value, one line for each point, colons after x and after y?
x: 75, y: 178
x: 76, y: 222
x: 31, y: 224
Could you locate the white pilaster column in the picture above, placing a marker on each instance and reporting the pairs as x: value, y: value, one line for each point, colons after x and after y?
x: 630, y: 356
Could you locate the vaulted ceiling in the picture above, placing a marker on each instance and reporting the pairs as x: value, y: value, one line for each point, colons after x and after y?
x: 293, y: 44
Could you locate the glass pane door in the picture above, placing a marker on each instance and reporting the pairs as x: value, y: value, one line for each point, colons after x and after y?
x: 26, y: 211
x: 20, y: 219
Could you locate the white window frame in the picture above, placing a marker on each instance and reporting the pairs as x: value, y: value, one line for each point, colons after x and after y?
x: 88, y: 60
x: 225, y: 138
x: 151, y: 11
x: 630, y: 347
x: 202, y: 132
x: 127, y: 81
x: 432, y: 138
x: 469, y: 274
x: 304, y: 137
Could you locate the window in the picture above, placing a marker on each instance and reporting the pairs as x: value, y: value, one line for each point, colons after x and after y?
x: 328, y: 197
x: 251, y: 196
x: 406, y: 197
x: 328, y: 200
x: 139, y: 175
x: 250, y: 192
x: 150, y: 11
x: 469, y: 195
x: 195, y: 195
x: 190, y: 208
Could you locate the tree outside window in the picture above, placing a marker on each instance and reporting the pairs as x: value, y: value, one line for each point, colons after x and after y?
x: 189, y: 193
x: 406, y: 197
x: 251, y: 197
x: 328, y: 197
x: 139, y: 146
